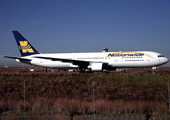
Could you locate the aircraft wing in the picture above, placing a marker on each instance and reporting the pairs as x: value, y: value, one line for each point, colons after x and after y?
x: 17, y: 58
x: 73, y: 61
x: 81, y: 63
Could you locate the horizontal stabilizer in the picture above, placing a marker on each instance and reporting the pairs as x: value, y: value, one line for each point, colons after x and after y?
x: 16, y: 58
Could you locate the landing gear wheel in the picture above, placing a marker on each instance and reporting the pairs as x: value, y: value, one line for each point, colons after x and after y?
x: 153, y: 70
x: 81, y: 70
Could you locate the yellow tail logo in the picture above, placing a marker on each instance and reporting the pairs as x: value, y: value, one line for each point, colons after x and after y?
x: 25, y: 47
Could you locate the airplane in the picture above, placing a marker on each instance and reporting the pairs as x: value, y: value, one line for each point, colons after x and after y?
x: 92, y: 61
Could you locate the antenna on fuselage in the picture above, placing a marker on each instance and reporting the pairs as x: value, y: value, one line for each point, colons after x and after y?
x: 105, y: 50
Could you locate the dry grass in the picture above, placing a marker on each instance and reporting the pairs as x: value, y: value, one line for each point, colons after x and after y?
x: 132, y: 91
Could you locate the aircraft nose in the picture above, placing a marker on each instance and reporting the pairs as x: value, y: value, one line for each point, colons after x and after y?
x: 166, y: 60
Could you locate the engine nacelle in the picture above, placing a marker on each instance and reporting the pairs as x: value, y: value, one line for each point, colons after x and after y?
x: 101, y: 67
x: 96, y: 66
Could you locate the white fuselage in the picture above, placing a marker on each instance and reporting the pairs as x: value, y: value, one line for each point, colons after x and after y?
x: 99, y: 61
x: 113, y: 59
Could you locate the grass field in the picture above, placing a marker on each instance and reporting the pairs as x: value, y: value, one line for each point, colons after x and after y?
x: 133, y: 90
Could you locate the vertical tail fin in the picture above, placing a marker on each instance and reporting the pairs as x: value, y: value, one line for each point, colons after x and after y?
x: 24, y: 46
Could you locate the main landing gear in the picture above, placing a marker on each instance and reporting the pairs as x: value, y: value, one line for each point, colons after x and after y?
x: 81, y: 70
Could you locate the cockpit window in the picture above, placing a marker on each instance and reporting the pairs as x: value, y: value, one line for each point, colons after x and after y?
x: 160, y: 56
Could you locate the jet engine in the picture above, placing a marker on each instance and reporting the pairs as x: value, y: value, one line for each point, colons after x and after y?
x: 97, y: 66
x: 100, y: 67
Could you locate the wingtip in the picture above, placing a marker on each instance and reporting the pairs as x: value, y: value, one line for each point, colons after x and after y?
x: 5, y: 56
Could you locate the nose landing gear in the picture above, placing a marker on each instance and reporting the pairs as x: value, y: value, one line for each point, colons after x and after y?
x: 153, y: 69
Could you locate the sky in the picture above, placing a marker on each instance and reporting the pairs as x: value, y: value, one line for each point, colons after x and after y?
x: 59, y: 26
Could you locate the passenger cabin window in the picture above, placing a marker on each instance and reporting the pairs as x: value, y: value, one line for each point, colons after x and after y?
x: 160, y: 56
